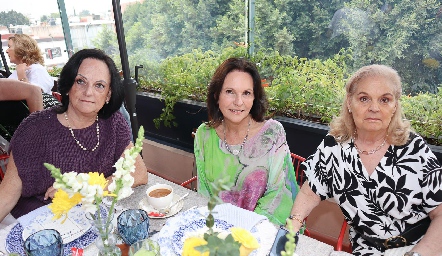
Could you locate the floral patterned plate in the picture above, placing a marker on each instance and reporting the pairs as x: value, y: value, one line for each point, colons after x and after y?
x: 14, y: 240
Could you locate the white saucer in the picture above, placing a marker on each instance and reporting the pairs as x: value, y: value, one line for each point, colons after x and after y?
x: 175, y: 209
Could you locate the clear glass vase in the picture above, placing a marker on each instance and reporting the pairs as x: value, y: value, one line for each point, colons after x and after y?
x: 106, y: 240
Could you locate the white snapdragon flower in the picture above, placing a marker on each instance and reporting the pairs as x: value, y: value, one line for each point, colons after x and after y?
x: 111, y: 188
x: 89, y: 207
x: 124, y: 192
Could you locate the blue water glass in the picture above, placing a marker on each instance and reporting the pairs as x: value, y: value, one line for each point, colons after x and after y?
x: 133, y: 225
x: 44, y: 242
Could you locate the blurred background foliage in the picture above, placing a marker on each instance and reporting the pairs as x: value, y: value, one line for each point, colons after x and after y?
x: 305, y: 50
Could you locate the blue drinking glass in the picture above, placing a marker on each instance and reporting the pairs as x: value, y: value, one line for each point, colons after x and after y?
x: 44, y: 242
x: 133, y: 225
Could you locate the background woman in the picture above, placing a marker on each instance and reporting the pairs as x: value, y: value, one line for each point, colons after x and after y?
x: 239, y: 143
x: 86, y: 133
x: 25, y: 53
x: 384, y: 177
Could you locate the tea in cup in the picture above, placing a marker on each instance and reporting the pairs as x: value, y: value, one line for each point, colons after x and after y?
x: 159, y: 196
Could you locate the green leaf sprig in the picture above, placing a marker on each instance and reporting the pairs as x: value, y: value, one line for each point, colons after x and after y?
x: 216, y: 245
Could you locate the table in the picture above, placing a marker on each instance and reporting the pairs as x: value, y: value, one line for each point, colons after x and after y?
x: 306, y: 247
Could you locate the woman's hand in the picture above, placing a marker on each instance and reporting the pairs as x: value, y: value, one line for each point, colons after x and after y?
x: 21, y: 72
x: 50, y: 193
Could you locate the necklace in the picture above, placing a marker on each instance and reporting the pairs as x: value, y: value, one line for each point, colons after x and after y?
x: 78, y: 143
x: 370, y: 152
x: 235, y: 151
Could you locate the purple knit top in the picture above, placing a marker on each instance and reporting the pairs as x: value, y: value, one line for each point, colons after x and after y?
x: 41, y: 138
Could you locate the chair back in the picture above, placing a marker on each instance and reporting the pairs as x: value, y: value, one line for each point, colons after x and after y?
x: 3, y: 163
x: 300, y: 175
x: 188, y: 183
x: 57, y: 95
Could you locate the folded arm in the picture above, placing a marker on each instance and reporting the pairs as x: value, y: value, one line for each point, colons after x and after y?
x: 11, y: 89
x: 10, y: 189
x: 430, y: 244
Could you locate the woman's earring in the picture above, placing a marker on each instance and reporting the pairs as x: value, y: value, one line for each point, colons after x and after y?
x: 349, y: 110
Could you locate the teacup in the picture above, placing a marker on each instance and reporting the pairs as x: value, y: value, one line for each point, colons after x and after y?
x: 159, y: 196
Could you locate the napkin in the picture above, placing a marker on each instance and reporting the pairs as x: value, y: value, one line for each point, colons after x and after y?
x: 236, y: 216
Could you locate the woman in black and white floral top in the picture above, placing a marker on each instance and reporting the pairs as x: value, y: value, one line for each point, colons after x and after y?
x: 383, y: 176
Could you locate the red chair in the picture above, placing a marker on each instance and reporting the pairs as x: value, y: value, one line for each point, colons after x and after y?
x: 57, y: 95
x: 3, y: 162
x: 188, y: 183
x: 341, y: 236
x: 300, y: 176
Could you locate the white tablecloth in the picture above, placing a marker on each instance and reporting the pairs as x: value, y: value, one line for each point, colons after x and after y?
x: 306, y: 246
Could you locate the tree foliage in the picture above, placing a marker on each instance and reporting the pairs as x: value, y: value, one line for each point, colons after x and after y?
x: 404, y: 34
x: 13, y: 18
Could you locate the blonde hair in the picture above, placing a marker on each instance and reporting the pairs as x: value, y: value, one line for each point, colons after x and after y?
x: 26, y: 49
x: 343, y: 126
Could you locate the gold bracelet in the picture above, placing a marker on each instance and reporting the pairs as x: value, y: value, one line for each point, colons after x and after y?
x: 296, y: 218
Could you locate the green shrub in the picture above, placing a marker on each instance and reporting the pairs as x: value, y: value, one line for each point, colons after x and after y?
x: 297, y: 87
x: 425, y: 114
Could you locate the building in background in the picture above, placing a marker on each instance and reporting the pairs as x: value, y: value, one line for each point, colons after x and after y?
x: 50, y: 37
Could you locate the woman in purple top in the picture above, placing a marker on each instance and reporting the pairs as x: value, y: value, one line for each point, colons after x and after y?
x: 86, y: 133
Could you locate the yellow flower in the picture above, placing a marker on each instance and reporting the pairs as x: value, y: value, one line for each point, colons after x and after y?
x: 247, y: 241
x: 62, y: 203
x: 190, y: 244
x: 96, y: 178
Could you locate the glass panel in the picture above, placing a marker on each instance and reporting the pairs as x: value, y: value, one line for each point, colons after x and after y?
x: 404, y: 34
x: 86, y: 20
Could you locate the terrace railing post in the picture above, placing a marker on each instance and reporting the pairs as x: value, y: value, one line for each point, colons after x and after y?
x: 130, y: 85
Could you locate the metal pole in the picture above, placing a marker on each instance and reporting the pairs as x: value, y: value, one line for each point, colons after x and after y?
x: 251, y: 28
x: 66, y: 29
x: 130, y: 85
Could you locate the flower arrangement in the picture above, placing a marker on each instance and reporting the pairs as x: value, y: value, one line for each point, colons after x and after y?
x: 89, y: 189
x: 238, y: 243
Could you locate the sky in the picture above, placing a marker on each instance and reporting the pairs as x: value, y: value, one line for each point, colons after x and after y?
x: 35, y: 9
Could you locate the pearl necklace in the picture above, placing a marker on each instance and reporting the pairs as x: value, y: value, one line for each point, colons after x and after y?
x: 370, y: 152
x: 78, y: 143
x: 235, y: 151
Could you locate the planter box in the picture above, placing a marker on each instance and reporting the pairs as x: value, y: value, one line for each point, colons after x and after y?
x: 189, y: 115
x: 303, y: 137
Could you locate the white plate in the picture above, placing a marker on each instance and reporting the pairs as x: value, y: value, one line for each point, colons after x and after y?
x: 169, y: 238
x: 175, y: 209
x: 71, y: 228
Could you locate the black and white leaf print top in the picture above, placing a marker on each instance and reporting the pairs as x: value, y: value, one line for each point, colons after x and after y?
x: 405, y: 186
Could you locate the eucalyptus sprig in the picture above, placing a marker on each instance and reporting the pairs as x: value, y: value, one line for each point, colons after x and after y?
x: 216, y: 245
x: 290, y: 245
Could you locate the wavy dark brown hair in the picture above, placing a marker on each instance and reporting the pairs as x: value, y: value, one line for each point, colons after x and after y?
x: 260, y: 102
